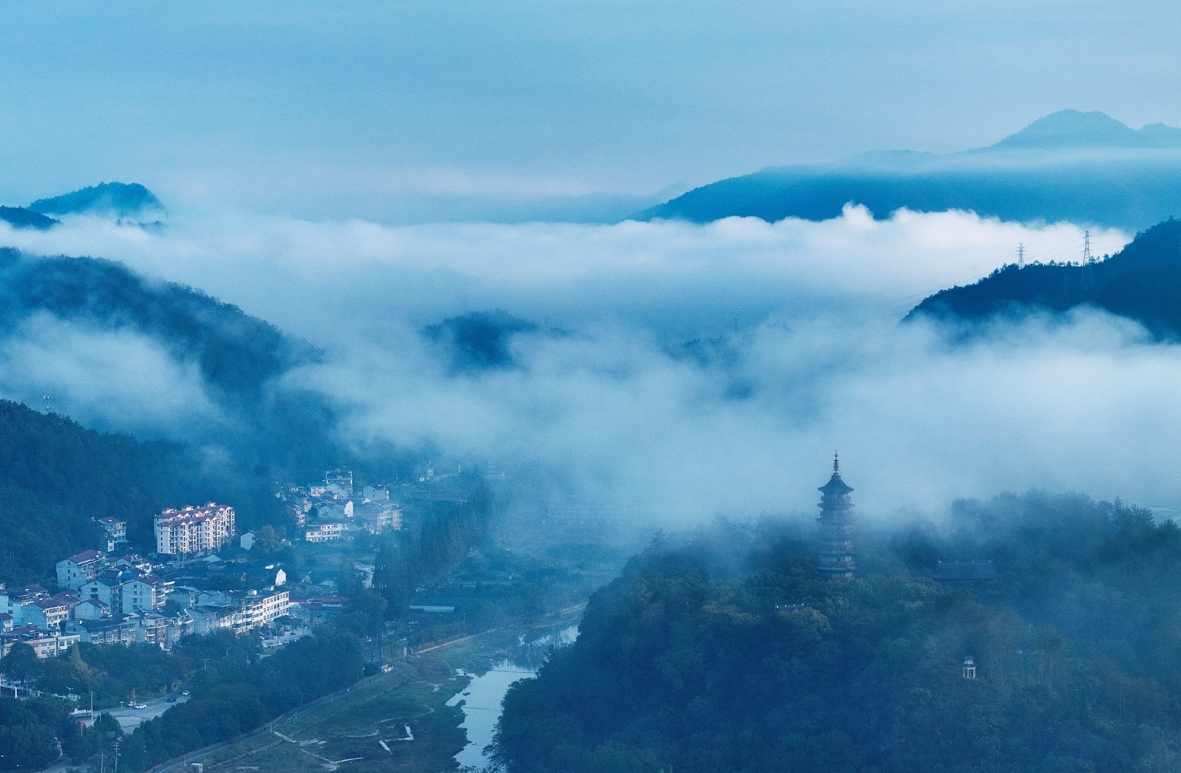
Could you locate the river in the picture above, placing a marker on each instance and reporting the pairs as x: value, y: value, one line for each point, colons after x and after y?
x: 483, y: 696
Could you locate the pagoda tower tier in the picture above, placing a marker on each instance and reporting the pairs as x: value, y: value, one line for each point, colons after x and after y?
x: 834, y: 554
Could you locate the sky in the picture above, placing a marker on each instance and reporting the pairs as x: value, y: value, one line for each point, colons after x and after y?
x: 410, y: 112
x: 353, y: 173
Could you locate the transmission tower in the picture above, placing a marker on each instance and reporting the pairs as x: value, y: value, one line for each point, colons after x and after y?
x: 1088, y: 261
x: 1020, y: 256
x: 47, y: 400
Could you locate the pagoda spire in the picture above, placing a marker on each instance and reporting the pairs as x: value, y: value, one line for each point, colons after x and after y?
x: 834, y: 557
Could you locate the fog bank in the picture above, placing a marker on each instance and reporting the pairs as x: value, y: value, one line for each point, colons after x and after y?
x: 797, y: 352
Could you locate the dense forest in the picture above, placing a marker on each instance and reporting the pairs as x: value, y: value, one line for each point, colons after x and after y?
x: 726, y: 652
x: 56, y: 477
x: 233, y: 690
x: 1141, y: 282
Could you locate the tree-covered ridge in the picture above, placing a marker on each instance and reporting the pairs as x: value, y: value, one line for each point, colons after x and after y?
x: 1142, y: 282
x: 19, y: 217
x: 1080, y: 167
x: 122, y: 199
x: 57, y: 476
x: 236, y: 353
x: 695, y: 660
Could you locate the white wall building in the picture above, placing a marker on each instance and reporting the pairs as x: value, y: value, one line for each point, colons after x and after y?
x: 145, y: 592
x: 77, y: 570
x: 194, y: 530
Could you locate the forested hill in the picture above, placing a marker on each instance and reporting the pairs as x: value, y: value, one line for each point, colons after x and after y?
x: 1081, y: 167
x: 236, y: 353
x: 121, y: 199
x: 1142, y: 282
x: 729, y: 654
x: 241, y: 359
x: 57, y: 476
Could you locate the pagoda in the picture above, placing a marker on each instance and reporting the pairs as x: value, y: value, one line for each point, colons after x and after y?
x: 834, y: 558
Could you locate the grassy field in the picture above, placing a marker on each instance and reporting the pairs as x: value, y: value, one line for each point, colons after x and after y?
x: 366, y: 730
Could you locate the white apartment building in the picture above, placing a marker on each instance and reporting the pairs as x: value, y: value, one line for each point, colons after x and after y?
x: 77, y: 570
x: 194, y: 530
x: 326, y: 532
x: 258, y: 609
x: 144, y: 592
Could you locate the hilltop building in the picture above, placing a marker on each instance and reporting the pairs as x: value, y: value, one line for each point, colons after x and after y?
x: 834, y: 559
x: 194, y: 530
x: 114, y: 533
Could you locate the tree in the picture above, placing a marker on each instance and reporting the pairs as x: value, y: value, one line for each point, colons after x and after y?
x: 21, y: 663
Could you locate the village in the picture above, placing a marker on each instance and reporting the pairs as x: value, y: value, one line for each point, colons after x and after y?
x: 203, y: 576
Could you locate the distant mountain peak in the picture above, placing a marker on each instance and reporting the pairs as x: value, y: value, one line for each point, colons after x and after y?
x: 1076, y: 129
x: 122, y: 199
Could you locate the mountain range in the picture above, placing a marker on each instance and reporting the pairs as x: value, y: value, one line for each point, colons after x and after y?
x: 1075, y: 166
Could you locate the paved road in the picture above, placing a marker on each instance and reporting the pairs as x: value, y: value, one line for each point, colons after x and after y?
x: 129, y: 719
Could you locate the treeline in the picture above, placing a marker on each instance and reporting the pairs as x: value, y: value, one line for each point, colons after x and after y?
x: 34, y: 732
x: 114, y: 674
x: 695, y: 660
x: 233, y: 689
x: 436, y: 540
x: 57, y: 476
x: 244, y: 691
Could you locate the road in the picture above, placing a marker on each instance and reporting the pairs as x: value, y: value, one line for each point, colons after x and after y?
x: 129, y: 719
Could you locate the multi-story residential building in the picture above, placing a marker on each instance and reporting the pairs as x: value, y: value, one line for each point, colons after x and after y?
x: 76, y: 571
x: 91, y: 609
x: 342, y: 478
x: 194, y: 530
x: 114, y: 533
x: 326, y: 532
x: 13, y: 601
x: 48, y: 614
x: 259, y: 608
x: 145, y: 592
x: 107, y: 588
x: 111, y: 630
x: 379, y: 518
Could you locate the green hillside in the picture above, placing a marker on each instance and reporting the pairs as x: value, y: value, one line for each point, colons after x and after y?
x: 730, y: 654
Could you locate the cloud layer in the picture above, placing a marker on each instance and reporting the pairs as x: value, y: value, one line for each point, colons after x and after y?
x: 797, y: 352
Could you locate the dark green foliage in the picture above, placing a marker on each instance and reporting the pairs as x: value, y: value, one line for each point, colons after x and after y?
x: 26, y: 218
x: 56, y: 476
x: 118, y: 198
x: 243, y: 691
x: 1142, y: 282
x: 34, y: 733
x: 479, y: 340
x: 693, y: 661
x: 240, y: 358
x: 236, y: 353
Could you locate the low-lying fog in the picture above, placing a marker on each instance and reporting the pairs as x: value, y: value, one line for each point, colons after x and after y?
x: 799, y: 352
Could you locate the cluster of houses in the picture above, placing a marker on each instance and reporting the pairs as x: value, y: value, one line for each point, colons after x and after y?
x: 118, y: 597
x: 111, y: 595
x: 333, y: 510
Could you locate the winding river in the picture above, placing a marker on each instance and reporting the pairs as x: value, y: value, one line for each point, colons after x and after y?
x: 483, y: 696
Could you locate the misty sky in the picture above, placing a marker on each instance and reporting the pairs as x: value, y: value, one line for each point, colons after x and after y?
x: 414, y: 111
x: 354, y: 172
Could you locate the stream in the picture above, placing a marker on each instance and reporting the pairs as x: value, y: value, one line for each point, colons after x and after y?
x: 483, y: 696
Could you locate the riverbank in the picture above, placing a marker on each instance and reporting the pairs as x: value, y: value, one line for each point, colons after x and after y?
x: 400, y: 723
